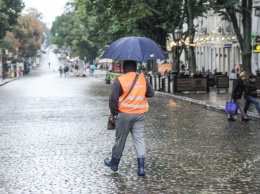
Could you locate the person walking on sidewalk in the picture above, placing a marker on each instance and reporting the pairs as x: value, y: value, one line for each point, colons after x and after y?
x: 60, y: 70
x: 66, y: 70
x: 20, y: 72
x: 250, y: 94
x: 92, y: 68
x: 237, y: 92
x: 129, y: 114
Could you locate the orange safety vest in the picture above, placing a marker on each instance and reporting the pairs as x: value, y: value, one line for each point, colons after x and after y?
x: 135, y: 102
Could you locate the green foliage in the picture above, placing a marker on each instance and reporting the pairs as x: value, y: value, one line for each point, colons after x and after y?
x: 150, y: 18
x: 25, y: 38
x: 29, y: 33
x: 67, y: 31
x: 112, y: 76
x: 229, y: 10
x: 119, y: 19
x: 9, y: 12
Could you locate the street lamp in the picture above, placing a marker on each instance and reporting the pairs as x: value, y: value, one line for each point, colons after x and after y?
x: 177, y: 36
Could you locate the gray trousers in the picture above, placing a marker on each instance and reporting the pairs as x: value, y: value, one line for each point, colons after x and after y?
x: 240, y: 107
x: 133, y: 123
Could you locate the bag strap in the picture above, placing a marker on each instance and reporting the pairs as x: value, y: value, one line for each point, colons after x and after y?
x: 136, y: 77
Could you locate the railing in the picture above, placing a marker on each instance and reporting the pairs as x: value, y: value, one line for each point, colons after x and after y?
x: 172, y: 83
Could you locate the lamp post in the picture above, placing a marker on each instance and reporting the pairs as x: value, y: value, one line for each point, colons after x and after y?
x: 177, y: 36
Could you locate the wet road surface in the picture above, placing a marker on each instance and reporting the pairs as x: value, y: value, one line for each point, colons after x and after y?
x: 53, y: 139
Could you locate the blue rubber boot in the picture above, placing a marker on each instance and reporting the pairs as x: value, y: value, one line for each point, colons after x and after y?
x: 140, y: 171
x: 113, y: 163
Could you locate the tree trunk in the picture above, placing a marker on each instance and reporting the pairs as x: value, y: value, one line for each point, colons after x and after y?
x: 247, y: 26
x: 191, y: 32
x: 192, y: 60
x: 245, y: 38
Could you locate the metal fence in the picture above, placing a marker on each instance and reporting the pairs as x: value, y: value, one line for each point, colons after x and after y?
x: 170, y: 83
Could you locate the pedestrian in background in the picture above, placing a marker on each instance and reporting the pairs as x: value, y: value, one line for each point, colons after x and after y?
x: 60, y: 70
x: 66, y: 70
x: 92, y: 68
x: 250, y: 94
x: 129, y: 114
x: 20, y: 72
x: 237, y: 92
x: 49, y: 65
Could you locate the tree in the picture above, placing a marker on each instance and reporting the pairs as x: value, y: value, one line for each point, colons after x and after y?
x: 68, y: 31
x: 154, y: 19
x: 192, y: 10
x: 9, y: 12
x: 11, y: 43
x: 172, y: 15
x: 39, y: 16
x: 29, y: 33
x: 107, y: 23
x: 229, y: 9
x: 34, y: 13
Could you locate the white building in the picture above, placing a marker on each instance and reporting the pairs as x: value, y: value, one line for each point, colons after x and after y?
x: 217, y: 47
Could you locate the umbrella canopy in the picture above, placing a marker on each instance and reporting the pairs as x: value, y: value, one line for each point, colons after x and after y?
x: 134, y: 48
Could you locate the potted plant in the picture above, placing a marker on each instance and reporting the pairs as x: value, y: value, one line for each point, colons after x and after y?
x: 108, y: 79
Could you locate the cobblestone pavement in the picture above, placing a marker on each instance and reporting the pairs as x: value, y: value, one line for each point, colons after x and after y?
x: 53, y: 139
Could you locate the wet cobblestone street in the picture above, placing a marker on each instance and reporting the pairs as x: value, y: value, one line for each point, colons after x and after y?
x: 53, y: 139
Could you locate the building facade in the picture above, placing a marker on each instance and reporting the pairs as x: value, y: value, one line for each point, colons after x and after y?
x: 216, y: 45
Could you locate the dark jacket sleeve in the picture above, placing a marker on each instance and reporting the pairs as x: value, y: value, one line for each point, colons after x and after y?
x: 116, y: 91
x: 250, y: 90
x: 234, y: 90
x: 149, y: 90
x: 238, y: 89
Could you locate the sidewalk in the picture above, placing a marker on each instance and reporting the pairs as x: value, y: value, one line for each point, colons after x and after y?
x: 211, y: 100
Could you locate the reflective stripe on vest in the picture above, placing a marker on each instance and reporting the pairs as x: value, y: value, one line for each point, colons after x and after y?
x: 133, y: 98
x: 135, y: 102
x: 134, y: 106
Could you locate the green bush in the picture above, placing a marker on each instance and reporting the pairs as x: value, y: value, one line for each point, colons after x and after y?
x: 112, y: 76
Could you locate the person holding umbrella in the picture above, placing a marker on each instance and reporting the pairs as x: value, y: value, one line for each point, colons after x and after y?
x: 129, y: 114
x: 128, y: 98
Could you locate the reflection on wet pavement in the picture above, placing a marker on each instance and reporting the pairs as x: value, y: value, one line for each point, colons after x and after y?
x: 53, y: 139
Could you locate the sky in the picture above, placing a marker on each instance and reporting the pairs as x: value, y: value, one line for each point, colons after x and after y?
x: 49, y: 8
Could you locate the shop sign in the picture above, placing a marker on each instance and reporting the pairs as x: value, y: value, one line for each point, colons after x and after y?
x: 222, y: 81
x: 256, y: 48
x: 227, y: 45
x: 191, y: 84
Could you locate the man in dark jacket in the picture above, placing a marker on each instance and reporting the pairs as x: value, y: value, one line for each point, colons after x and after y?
x: 129, y: 111
x: 238, y: 89
x: 250, y: 94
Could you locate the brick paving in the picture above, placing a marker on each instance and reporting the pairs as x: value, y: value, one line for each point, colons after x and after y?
x: 53, y: 139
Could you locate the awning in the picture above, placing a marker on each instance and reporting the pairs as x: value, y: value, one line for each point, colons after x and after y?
x: 105, y: 60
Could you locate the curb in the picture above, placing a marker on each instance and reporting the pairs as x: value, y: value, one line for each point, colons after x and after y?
x: 5, y: 82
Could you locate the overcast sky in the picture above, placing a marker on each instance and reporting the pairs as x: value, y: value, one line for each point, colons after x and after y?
x: 49, y: 8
